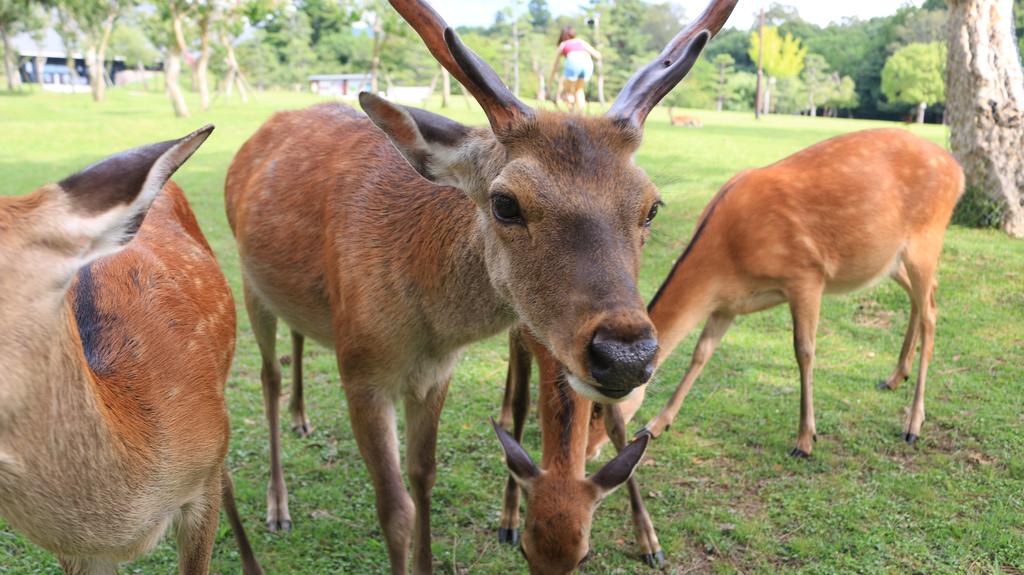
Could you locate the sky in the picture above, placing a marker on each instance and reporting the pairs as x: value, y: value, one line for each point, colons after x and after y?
x: 821, y: 12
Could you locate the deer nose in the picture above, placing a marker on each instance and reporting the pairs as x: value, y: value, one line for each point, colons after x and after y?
x: 618, y: 365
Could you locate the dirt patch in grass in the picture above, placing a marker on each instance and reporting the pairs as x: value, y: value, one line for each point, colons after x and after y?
x: 871, y: 314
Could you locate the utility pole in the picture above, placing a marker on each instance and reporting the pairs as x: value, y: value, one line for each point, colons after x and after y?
x: 595, y: 21
x: 760, y: 65
x: 515, y: 51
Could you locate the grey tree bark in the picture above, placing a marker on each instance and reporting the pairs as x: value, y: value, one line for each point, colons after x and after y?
x: 10, y: 62
x: 172, y: 65
x: 446, y: 87
x: 203, y: 65
x: 985, y: 103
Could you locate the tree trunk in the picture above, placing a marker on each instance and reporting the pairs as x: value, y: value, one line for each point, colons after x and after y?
x: 203, y: 65
x: 97, y: 55
x: 599, y: 65
x: 985, y: 104
x: 719, y: 103
x: 378, y: 42
x: 10, y: 69
x: 446, y: 87
x: 515, y: 55
x: 172, y: 67
x: 234, y: 75
x: 39, y: 65
x: 920, y: 112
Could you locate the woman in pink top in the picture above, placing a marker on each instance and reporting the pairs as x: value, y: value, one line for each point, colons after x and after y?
x: 579, y: 66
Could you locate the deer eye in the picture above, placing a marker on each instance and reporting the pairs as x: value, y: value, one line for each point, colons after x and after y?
x: 506, y: 209
x: 653, y: 213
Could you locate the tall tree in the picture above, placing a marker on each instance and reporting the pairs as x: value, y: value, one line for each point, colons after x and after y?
x: 915, y: 75
x: 66, y: 28
x: 96, y: 19
x: 842, y: 96
x: 166, y: 29
x: 723, y: 90
x: 540, y: 14
x: 783, y: 57
x: 985, y: 107
x: 12, y: 12
x: 817, y: 82
x: 207, y: 12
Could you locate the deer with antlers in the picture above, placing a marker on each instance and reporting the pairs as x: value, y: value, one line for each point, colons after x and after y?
x: 398, y: 254
x: 821, y: 228
x: 116, y: 350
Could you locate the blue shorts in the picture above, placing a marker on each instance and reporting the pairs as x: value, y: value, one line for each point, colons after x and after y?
x: 578, y: 66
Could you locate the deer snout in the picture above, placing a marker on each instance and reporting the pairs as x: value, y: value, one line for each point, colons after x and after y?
x: 619, y: 364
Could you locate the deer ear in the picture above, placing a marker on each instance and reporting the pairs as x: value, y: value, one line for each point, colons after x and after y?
x: 617, y: 471
x: 428, y: 141
x: 110, y: 198
x: 523, y: 469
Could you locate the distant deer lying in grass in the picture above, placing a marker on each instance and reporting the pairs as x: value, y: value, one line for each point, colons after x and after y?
x: 686, y: 121
x: 112, y: 417
x: 811, y: 224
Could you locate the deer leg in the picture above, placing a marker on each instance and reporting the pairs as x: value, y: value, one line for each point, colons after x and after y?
x: 249, y: 564
x: 77, y: 566
x: 297, y: 407
x: 197, y: 529
x: 714, y: 330
x: 922, y: 279
x: 264, y: 327
x: 373, y: 424
x: 514, y: 409
x: 903, y: 365
x: 650, y: 549
x: 421, y: 419
x: 805, y: 305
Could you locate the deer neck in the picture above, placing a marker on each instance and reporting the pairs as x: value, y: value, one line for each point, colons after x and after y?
x: 686, y: 297
x: 565, y: 421
x: 50, y: 406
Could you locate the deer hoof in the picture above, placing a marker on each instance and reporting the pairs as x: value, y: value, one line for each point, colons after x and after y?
x: 910, y: 438
x: 282, y: 526
x: 656, y: 559
x: 303, y: 429
x: 884, y: 386
x: 643, y: 431
x: 799, y: 453
x: 509, y: 535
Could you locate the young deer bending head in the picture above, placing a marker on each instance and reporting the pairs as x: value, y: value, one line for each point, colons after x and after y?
x: 561, y: 498
x: 112, y: 415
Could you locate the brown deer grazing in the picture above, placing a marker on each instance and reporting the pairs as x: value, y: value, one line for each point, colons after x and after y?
x: 112, y: 417
x: 561, y: 500
x: 539, y: 219
x: 820, y: 228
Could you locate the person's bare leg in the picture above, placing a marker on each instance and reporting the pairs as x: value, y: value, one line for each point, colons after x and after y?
x: 581, y: 95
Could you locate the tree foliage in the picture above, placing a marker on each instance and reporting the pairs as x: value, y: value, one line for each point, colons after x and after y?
x: 783, y: 55
x: 915, y: 74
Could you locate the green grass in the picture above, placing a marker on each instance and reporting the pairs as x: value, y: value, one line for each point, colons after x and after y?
x: 723, y: 494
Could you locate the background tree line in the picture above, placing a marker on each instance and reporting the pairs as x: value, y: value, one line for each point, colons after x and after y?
x: 886, y: 67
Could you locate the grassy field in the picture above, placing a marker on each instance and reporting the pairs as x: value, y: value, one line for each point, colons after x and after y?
x: 723, y: 494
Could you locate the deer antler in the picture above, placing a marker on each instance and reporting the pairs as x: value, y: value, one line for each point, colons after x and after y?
x: 652, y: 82
x: 499, y: 103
